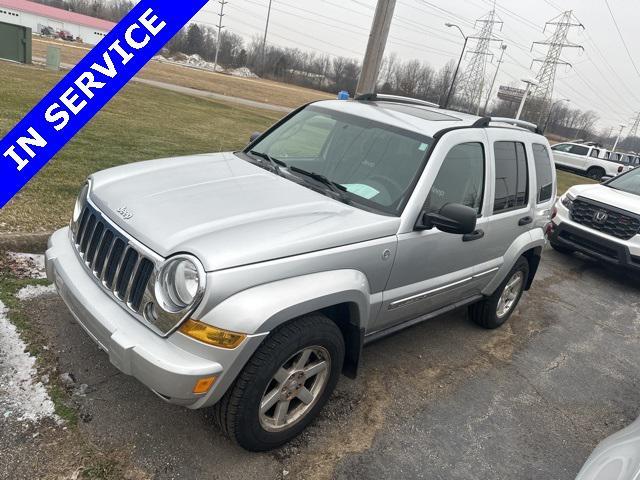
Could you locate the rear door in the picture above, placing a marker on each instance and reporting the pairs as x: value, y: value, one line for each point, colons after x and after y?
x: 578, y: 157
x: 512, y: 213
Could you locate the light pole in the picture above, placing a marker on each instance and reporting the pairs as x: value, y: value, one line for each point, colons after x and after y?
x: 529, y: 83
x: 455, y: 74
x: 546, y: 124
x: 264, y: 41
x: 503, y: 47
x: 622, y: 126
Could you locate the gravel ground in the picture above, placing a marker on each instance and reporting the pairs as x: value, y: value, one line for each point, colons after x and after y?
x: 444, y: 399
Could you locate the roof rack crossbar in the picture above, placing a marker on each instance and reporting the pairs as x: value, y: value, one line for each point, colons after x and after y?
x: 518, y: 123
x: 383, y: 97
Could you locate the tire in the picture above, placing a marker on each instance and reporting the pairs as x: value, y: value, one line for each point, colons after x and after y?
x: 561, y: 248
x: 596, y: 173
x: 238, y: 412
x: 485, y: 312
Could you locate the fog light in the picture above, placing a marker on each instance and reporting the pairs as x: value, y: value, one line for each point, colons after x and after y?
x: 204, y: 384
x: 212, y: 335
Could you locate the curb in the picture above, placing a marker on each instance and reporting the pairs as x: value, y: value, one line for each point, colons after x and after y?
x: 24, y: 242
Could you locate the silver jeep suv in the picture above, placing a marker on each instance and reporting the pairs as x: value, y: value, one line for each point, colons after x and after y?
x: 251, y: 280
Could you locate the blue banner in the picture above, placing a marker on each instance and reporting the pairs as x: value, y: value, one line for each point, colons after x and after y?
x: 87, y: 88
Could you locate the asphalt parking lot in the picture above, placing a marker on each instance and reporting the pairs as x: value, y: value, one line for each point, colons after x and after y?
x: 442, y: 400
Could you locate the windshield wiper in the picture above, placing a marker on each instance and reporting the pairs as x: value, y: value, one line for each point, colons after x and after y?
x: 335, y: 187
x: 274, y: 162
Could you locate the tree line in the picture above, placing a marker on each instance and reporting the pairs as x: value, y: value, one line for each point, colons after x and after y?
x: 330, y: 73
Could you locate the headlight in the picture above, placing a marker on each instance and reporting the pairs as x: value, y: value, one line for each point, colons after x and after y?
x: 567, y: 201
x: 81, y: 201
x: 180, y: 283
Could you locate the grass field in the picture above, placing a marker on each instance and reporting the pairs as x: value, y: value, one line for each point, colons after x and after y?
x: 566, y: 180
x: 258, y: 90
x: 141, y: 123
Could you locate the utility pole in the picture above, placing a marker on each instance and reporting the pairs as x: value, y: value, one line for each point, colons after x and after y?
x: 615, y: 145
x: 219, y: 38
x: 557, y: 42
x: 503, y: 47
x: 633, y: 131
x: 375, y: 47
x: 455, y: 74
x: 471, y: 90
x: 264, y: 40
x: 529, y: 83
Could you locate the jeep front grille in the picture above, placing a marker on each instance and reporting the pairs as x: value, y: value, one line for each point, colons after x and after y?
x: 111, y: 259
x: 614, y: 222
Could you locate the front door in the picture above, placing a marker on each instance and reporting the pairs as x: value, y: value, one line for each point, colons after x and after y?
x: 434, y: 269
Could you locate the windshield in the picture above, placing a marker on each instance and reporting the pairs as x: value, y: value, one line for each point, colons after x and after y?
x: 629, y: 182
x: 376, y: 164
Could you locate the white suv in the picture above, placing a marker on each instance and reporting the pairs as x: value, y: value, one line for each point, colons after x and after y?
x: 586, y: 159
x: 602, y: 221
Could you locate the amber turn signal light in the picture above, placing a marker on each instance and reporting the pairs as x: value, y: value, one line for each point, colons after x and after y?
x: 204, y: 384
x: 212, y: 335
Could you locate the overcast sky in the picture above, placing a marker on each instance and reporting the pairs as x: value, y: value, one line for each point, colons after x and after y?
x: 603, y: 77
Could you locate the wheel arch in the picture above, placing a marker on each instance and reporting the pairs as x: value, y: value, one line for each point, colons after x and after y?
x: 341, y: 295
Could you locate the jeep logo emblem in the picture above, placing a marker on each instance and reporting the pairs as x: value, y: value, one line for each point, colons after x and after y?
x: 124, y: 213
x: 600, y: 216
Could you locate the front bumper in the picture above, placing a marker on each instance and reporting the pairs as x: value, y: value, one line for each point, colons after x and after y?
x: 569, y: 234
x: 169, y: 366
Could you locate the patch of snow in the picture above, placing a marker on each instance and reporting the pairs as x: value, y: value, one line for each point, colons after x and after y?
x: 33, y: 291
x: 28, y: 264
x: 20, y: 394
x: 243, y: 72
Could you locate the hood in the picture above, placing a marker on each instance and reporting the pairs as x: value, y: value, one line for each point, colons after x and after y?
x: 616, y: 198
x: 228, y: 212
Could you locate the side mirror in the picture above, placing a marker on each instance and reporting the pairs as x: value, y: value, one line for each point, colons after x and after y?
x: 254, y: 136
x: 452, y: 218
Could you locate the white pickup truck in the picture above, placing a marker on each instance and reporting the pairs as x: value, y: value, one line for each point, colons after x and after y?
x: 588, y: 160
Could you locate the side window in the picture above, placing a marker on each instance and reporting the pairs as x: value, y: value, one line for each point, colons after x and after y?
x: 544, y: 172
x: 512, y: 177
x: 595, y: 153
x: 460, y: 179
x: 562, y: 147
x: 579, y: 150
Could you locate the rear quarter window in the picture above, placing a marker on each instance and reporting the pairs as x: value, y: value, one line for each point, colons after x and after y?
x: 544, y: 172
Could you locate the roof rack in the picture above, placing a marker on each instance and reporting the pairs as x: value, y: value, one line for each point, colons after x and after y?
x: 383, y: 97
x: 518, y: 123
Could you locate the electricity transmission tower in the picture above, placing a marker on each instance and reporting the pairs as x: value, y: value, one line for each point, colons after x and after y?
x: 557, y: 42
x: 633, y: 131
x: 219, y: 38
x: 473, y: 79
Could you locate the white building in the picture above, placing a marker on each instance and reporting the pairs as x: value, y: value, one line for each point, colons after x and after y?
x: 38, y: 17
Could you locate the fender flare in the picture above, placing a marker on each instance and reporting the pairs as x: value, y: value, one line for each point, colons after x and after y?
x: 262, y: 308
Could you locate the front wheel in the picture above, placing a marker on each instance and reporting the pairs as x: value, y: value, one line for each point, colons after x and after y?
x: 284, y: 385
x: 495, y: 310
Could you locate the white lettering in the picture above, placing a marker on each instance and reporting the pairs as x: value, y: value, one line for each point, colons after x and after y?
x: 90, y: 83
x: 20, y: 161
x: 149, y: 23
x: 126, y: 56
x: 36, y: 140
x: 110, y: 71
x: 132, y: 43
x: 52, y: 117
x: 70, y: 103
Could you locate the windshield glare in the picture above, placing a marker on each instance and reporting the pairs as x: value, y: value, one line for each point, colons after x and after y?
x: 376, y: 163
x: 629, y: 182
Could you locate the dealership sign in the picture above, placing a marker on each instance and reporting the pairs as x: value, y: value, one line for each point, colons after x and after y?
x: 87, y: 88
x: 510, y: 94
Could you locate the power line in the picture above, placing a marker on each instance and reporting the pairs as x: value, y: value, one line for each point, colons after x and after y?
x: 621, y: 37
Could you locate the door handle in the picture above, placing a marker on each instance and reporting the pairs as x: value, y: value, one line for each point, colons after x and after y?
x: 525, y: 221
x: 470, y: 237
